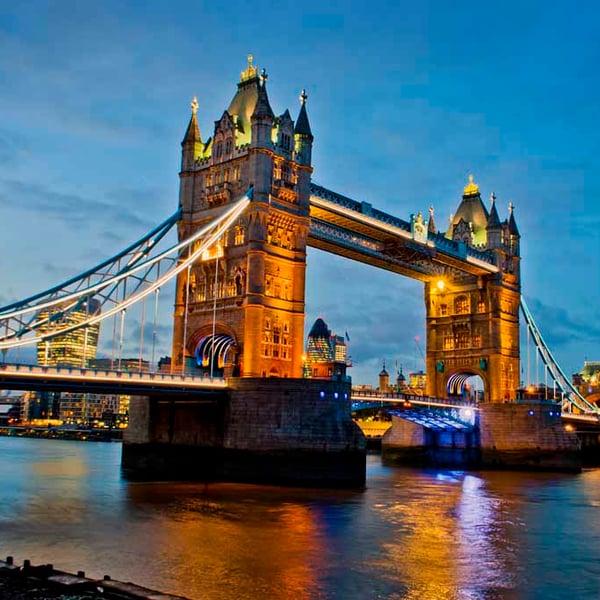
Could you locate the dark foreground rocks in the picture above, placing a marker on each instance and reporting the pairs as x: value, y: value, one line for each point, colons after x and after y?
x: 43, y: 582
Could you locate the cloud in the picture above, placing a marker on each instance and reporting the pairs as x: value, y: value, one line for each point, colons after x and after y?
x: 559, y: 328
x: 12, y: 145
x: 72, y: 209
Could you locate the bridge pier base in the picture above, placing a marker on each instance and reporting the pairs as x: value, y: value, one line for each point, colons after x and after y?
x: 274, y: 431
x: 411, y: 444
x: 527, y: 436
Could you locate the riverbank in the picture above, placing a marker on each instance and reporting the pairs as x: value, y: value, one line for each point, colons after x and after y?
x: 43, y: 582
x: 63, y: 433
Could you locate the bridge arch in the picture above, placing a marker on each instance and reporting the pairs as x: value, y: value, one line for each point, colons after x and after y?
x: 203, y: 345
x: 457, y: 383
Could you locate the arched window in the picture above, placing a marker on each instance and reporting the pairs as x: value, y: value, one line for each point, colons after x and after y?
x: 461, y: 305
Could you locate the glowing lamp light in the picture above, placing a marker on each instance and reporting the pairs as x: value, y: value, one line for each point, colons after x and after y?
x: 531, y: 413
x: 322, y: 394
x: 335, y: 395
x: 440, y: 285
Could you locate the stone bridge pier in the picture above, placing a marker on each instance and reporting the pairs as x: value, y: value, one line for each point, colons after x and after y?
x: 274, y: 431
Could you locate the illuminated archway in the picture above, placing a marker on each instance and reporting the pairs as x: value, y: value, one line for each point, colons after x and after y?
x: 468, y: 385
x: 213, y: 352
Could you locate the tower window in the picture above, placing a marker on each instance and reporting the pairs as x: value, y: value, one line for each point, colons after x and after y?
x: 239, y: 236
x: 461, y: 305
x: 443, y: 310
x: 228, y: 146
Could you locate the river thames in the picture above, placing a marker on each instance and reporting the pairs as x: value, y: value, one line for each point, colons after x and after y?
x: 413, y: 534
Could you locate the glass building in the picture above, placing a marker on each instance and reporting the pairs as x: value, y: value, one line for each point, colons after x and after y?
x: 75, y: 348
x: 326, y: 353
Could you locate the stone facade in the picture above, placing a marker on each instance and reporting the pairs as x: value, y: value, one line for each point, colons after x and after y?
x: 257, y: 271
x: 473, y: 322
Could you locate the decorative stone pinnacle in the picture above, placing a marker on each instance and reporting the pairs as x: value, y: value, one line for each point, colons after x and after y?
x: 303, y: 97
x: 194, y: 105
x: 431, y: 211
x: 250, y: 71
x: 471, y: 187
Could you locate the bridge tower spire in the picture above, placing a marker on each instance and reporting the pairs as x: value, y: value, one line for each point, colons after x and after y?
x: 240, y: 309
x: 473, y: 321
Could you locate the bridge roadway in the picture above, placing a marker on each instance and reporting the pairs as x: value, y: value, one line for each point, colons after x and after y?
x: 358, y: 231
x: 99, y: 381
x: 93, y: 381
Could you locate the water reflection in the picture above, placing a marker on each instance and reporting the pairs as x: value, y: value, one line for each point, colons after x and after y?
x: 411, y: 534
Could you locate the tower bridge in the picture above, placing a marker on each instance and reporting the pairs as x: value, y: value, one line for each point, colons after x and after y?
x: 247, y: 211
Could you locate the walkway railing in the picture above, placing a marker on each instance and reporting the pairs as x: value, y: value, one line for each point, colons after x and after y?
x: 108, y: 376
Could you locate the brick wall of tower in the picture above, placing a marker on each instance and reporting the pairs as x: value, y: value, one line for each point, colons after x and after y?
x: 270, y: 251
x: 473, y: 327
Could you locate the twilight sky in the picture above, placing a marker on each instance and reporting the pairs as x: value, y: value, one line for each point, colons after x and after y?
x: 405, y: 100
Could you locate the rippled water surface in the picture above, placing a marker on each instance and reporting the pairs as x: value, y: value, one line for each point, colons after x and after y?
x: 411, y: 534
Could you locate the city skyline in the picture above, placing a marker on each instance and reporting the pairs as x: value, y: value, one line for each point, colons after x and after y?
x: 96, y: 101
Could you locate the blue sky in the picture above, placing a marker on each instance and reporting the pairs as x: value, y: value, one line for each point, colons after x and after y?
x: 405, y: 100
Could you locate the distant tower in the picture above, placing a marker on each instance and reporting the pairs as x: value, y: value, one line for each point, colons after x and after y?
x: 384, y: 380
x: 75, y: 348
x: 257, y: 270
x: 473, y: 322
x: 401, y: 380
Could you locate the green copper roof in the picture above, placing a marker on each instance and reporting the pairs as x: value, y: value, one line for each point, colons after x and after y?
x: 242, y: 106
x: 473, y: 211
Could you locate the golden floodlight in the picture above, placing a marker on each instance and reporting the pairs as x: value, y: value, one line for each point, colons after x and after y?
x: 441, y: 285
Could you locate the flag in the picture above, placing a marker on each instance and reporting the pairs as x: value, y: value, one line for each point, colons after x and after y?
x: 347, y: 336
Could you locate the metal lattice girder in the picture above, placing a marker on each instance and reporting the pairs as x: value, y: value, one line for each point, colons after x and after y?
x: 572, y: 397
x: 114, y: 285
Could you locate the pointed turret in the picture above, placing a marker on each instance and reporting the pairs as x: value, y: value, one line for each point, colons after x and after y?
x: 512, y: 224
x: 263, y: 107
x: 431, y: 222
x: 303, y: 136
x: 262, y: 116
x: 192, y: 142
x: 302, y: 124
x: 513, y: 231
x: 494, y: 227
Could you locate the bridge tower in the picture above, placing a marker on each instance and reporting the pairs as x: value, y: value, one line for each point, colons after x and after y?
x: 473, y: 322
x: 240, y: 309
